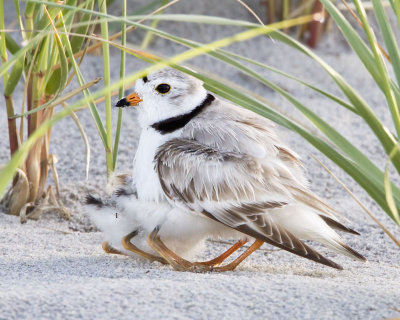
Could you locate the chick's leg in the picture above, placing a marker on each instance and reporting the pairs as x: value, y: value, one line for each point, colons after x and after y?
x: 177, y: 262
x: 128, y: 245
x: 109, y: 249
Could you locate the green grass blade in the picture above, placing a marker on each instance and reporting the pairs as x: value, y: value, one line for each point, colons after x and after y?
x: 195, y: 18
x: 68, y: 15
x: 76, y: 41
x: 107, y: 80
x: 5, y: 66
x: 384, y: 75
x: 396, y: 8
x: 19, y: 17
x: 29, y: 10
x: 354, y: 40
x: 86, y: 92
x: 59, y: 78
x: 388, y: 187
x: 11, y: 45
x: 121, y: 89
x: 3, y: 46
x: 63, y: 62
x: 388, y: 37
x: 43, y: 22
x: 358, y: 45
x: 14, y: 77
x: 51, y: 79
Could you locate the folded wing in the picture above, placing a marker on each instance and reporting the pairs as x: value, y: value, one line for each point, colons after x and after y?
x: 230, y: 188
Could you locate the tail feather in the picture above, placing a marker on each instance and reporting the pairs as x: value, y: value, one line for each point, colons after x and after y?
x: 341, y: 247
x: 306, y: 224
x: 353, y: 252
x: 337, y: 225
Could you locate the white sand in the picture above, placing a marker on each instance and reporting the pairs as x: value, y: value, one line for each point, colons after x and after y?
x: 56, y: 269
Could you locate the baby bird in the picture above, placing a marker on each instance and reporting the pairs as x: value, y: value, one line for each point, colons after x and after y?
x: 207, y: 168
x: 123, y: 218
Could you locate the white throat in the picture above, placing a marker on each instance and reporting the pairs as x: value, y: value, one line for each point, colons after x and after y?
x: 145, y: 178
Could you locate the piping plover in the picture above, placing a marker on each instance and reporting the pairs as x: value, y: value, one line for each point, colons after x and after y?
x: 219, y: 170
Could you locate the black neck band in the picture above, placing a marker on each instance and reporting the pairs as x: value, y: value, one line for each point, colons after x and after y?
x: 171, y: 124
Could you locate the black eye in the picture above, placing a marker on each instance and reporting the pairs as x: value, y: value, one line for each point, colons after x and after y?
x: 145, y: 79
x: 163, y: 88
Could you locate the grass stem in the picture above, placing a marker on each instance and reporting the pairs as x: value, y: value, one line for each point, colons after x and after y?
x: 394, y: 108
x: 107, y: 81
x: 121, y: 89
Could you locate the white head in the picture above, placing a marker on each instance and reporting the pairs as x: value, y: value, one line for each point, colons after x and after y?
x: 164, y: 94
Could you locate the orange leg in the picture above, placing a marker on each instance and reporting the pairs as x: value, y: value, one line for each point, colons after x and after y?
x: 218, y: 260
x: 109, y: 249
x: 177, y: 262
x: 128, y: 245
x: 231, y: 266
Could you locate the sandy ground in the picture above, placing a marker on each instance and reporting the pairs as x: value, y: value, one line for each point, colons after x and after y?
x: 56, y: 269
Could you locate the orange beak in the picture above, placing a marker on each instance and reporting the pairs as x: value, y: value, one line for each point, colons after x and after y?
x: 129, y: 101
x: 133, y: 99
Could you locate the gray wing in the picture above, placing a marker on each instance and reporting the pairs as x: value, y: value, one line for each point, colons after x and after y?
x: 235, y: 181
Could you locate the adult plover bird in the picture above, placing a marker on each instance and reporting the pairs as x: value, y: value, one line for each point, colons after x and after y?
x: 219, y: 170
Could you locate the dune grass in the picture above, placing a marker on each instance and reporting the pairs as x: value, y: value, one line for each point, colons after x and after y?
x: 34, y: 65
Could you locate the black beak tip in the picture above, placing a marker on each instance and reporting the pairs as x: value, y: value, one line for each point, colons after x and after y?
x: 122, y: 103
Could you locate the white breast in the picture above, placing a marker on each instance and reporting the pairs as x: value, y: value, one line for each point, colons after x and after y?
x: 145, y: 177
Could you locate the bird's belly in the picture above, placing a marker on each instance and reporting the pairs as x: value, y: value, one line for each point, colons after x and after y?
x: 145, y: 177
x: 149, y: 188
